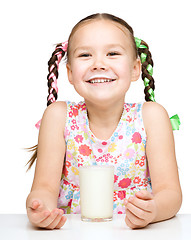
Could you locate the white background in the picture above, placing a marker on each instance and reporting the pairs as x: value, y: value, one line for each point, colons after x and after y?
x: 29, y: 30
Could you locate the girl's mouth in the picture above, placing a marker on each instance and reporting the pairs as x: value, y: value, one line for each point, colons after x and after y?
x: 101, y: 80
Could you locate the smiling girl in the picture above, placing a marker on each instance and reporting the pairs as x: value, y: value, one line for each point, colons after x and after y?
x: 103, y: 58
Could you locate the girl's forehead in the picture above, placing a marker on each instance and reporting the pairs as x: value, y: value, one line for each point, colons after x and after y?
x: 96, y: 29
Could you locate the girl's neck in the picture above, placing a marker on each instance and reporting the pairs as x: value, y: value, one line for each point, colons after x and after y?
x: 104, y: 115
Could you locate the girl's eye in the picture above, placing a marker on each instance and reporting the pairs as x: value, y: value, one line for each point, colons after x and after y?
x: 113, y: 53
x: 84, y: 55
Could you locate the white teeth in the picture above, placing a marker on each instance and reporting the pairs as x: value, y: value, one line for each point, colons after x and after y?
x: 100, y: 80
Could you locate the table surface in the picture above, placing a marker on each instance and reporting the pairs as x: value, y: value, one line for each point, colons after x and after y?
x: 17, y: 226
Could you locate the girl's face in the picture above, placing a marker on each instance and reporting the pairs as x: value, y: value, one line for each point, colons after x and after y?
x: 102, y: 62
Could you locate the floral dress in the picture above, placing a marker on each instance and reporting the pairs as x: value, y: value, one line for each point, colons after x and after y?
x: 125, y: 150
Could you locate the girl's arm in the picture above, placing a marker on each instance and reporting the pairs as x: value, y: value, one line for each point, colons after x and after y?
x: 166, y: 200
x: 42, y: 201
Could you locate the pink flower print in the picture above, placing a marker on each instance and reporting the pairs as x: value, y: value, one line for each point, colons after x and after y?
x: 127, y: 109
x: 100, y: 150
x: 67, y: 133
x: 79, y: 138
x: 137, y: 180
x: 120, y: 137
x: 114, y: 196
x: 121, y: 194
x: 69, y: 156
x: 70, y: 114
x: 105, y: 158
x: 80, y: 159
x: 115, y: 178
x: 85, y: 150
x: 136, y: 162
x: 74, y: 121
x: 66, y: 182
x: 129, y: 153
x: 83, y: 107
x: 129, y: 119
x: 136, y: 137
x: 72, y: 127
x: 120, y: 210
x: 104, y: 143
x: 124, y: 183
x: 145, y: 182
x: 70, y: 203
x: 68, y: 164
x: 141, y: 163
x: 133, y: 105
x: 75, y: 112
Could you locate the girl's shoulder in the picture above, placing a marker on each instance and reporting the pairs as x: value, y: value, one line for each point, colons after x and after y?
x: 155, y: 116
x: 55, y: 114
x: 57, y: 108
x: 153, y: 106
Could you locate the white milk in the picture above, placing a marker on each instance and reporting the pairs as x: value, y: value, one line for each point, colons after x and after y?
x: 96, y: 192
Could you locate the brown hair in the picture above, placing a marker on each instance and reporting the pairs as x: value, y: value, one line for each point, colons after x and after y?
x: 53, y: 68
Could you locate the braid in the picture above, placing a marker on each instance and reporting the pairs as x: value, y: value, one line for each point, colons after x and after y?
x: 147, y: 69
x: 53, y: 65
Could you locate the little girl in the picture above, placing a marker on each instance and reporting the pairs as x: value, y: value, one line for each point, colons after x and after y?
x: 103, y: 58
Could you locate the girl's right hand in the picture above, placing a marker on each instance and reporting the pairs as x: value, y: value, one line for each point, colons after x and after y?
x: 40, y: 216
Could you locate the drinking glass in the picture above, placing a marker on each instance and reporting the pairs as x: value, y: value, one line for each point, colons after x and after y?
x: 96, y: 193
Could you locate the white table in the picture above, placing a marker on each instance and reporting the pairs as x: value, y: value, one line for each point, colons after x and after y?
x: 17, y: 226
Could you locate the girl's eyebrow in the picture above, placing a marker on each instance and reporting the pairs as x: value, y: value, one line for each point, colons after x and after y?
x: 106, y: 47
x: 115, y: 45
x: 82, y: 48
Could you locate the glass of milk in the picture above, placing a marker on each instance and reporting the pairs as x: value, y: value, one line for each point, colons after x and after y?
x: 96, y: 193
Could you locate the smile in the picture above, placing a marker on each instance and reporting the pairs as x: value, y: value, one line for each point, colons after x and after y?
x: 102, y: 80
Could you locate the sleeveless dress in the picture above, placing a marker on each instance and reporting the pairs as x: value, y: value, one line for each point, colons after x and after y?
x: 125, y: 150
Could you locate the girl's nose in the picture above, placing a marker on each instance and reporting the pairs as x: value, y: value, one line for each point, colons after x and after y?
x: 99, y: 64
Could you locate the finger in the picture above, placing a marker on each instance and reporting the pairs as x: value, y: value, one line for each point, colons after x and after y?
x: 137, y: 222
x: 38, y: 217
x: 35, y: 204
x: 138, y: 212
x: 62, y: 222
x: 145, y: 205
x: 47, y: 221
x: 144, y: 194
x: 55, y: 222
x: 129, y: 223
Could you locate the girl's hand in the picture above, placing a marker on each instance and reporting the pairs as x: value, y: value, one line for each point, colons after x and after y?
x: 140, y: 209
x: 41, y: 217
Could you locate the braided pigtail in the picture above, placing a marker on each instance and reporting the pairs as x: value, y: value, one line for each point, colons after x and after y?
x: 147, y: 69
x: 53, y: 65
x: 147, y: 72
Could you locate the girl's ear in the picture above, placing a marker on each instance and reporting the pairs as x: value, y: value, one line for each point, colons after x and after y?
x: 136, y: 70
x: 69, y: 73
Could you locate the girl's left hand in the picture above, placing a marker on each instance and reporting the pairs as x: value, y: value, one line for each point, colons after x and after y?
x: 140, y: 209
